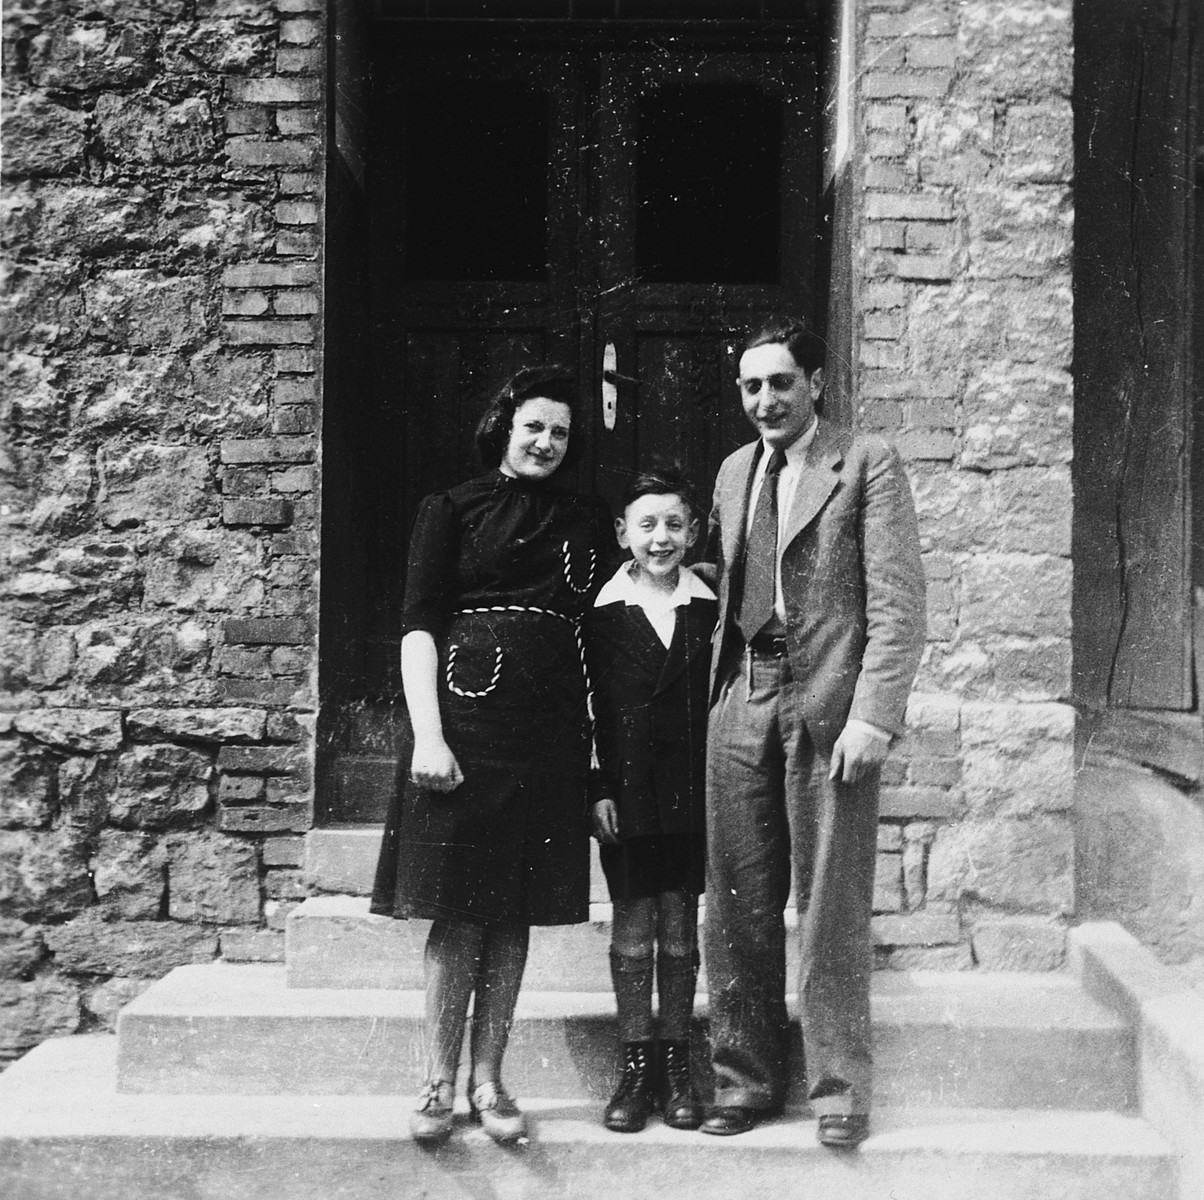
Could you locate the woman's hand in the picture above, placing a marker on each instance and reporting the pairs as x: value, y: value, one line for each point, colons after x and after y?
x: 606, y: 822
x: 434, y: 766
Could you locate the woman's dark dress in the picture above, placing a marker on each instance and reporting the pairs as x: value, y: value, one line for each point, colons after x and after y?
x: 510, y: 845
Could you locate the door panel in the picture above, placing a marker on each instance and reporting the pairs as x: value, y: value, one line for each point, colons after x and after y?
x: 530, y: 199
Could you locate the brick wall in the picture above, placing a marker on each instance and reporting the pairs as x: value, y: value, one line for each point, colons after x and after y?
x: 162, y: 215
x: 965, y: 356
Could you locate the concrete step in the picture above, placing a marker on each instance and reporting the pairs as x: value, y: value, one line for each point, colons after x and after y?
x: 984, y: 1040
x: 334, y: 942
x: 66, y: 1133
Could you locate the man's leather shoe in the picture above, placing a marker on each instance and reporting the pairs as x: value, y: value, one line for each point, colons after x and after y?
x: 843, y: 1131
x: 727, y: 1119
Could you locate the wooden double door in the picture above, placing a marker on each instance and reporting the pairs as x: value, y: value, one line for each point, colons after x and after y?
x: 625, y: 201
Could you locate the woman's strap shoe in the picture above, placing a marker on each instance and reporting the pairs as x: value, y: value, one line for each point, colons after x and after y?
x: 492, y: 1106
x: 431, y: 1120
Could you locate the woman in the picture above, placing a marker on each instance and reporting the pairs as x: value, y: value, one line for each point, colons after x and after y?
x: 490, y: 836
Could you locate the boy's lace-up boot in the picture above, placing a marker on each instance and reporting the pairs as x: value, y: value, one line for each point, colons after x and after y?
x: 633, y: 1100
x: 492, y: 1106
x: 675, y: 1092
x: 431, y: 1120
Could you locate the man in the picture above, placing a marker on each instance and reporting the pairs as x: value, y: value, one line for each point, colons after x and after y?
x: 821, y: 625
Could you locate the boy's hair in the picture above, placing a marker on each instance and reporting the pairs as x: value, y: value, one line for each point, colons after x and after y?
x: 662, y: 479
x: 551, y: 383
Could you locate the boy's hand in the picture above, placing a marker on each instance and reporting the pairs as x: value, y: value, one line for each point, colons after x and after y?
x: 606, y: 822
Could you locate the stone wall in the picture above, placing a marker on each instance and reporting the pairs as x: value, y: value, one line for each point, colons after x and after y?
x: 161, y: 213
x: 965, y: 356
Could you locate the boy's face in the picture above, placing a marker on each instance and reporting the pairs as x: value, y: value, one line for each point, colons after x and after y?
x: 658, y: 530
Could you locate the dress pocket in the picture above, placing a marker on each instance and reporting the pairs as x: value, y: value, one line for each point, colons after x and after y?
x: 473, y: 672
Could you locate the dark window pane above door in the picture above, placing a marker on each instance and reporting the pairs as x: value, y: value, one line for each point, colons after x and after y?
x: 477, y: 182
x: 708, y: 178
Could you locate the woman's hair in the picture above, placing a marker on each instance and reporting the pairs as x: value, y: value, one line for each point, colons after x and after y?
x: 805, y: 345
x: 662, y: 479
x: 549, y: 383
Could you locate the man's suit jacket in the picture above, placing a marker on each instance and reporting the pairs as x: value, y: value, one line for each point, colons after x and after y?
x: 852, y: 579
x: 650, y: 707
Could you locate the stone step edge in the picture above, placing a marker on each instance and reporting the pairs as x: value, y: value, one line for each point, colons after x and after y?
x: 920, y: 997
x: 66, y: 1089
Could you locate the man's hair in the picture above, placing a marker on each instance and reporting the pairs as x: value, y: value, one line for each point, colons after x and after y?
x: 805, y: 345
x: 661, y: 479
x: 548, y: 382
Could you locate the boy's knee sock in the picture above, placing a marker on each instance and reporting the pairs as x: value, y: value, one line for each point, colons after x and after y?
x: 677, y: 976
x: 632, y: 977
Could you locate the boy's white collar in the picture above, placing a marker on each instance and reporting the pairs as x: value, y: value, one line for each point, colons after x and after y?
x: 621, y: 586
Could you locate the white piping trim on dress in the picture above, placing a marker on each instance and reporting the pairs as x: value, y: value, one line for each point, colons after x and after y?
x: 568, y: 569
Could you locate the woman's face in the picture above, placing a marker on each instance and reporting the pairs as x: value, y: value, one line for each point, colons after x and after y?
x: 539, y: 438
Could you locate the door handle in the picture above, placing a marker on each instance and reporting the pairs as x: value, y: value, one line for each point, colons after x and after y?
x: 610, y: 393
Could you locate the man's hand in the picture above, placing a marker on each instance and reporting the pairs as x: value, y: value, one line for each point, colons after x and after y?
x: 606, y: 822
x: 434, y: 766
x: 857, y: 752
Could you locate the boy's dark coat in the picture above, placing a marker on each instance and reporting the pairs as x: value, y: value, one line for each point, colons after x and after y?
x: 650, y: 707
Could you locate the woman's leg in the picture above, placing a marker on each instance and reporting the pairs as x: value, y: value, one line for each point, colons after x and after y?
x: 453, y: 954
x: 498, y: 978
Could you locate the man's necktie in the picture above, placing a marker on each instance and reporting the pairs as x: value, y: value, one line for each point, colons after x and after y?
x: 761, y: 553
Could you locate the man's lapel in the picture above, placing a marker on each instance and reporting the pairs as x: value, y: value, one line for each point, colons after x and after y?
x: 821, y: 469
x: 744, y: 464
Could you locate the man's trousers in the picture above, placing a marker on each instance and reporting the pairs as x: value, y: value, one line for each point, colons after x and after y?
x: 770, y: 804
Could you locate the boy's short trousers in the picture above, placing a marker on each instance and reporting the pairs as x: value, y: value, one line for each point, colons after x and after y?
x: 646, y: 866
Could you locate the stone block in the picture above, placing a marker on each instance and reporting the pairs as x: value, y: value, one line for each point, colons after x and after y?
x: 160, y: 786
x: 284, y: 852
x: 275, y: 91
x: 85, y: 729
x: 1018, y: 944
x: 909, y: 802
x: 41, y: 138
x: 290, y: 727
x: 105, y: 1000
x: 197, y: 724
x: 293, y: 122
x: 83, y: 56
x: 240, y: 789
x: 924, y: 268
x: 27, y: 786
x: 918, y: 929
x: 264, y: 691
x: 1016, y: 594
x: 908, y: 207
x: 300, y: 31
x: 252, y: 945
x: 298, y: 183
x: 1038, y: 142
x: 268, y: 450
x: 31, y: 1012
x: 296, y: 304
x: 1018, y: 758
x: 21, y: 948
x: 1017, y: 415
x: 262, y: 760
x: 255, y: 152
x: 296, y: 359
x: 229, y: 47
x: 245, y: 304
x: 269, y: 631
x: 1016, y: 50
x: 298, y: 60
x: 920, y: 20
x: 883, y: 85
x: 251, y: 511
x: 213, y: 878
x: 931, y: 52
x: 924, y: 958
x: 269, y: 274
x: 264, y: 818
x: 1024, y: 864
x: 204, y: 568
x: 140, y: 308
x: 890, y: 837
x: 129, y: 872
x: 151, y: 484
x: 139, y: 130
x: 1021, y: 232
x: 293, y: 418
x: 268, y: 333
x: 888, y: 884
x: 90, y: 945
